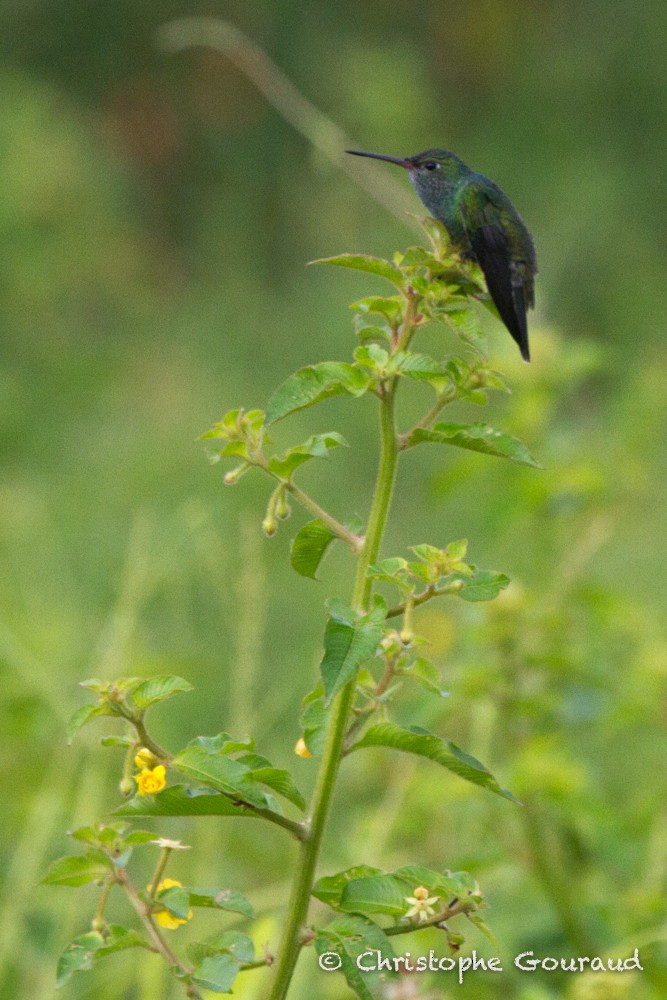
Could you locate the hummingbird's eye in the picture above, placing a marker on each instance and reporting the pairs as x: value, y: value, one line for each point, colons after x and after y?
x: 431, y: 165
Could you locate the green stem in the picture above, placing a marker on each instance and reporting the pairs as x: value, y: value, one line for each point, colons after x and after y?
x: 338, y: 719
x: 354, y: 541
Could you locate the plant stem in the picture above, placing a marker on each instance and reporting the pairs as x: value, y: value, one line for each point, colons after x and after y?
x: 354, y: 541
x: 338, y: 719
x: 158, y: 942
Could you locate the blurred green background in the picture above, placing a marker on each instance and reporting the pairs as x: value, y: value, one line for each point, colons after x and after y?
x: 155, y: 217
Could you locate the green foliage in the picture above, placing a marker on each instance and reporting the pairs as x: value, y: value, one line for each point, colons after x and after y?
x: 87, y: 949
x: 229, y: 768
x: 364, y: 665
x: 350, y: 640
x: 474, y: 437
x: 419, y: 741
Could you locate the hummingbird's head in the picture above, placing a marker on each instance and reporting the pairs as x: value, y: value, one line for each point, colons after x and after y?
x: 431, y: 172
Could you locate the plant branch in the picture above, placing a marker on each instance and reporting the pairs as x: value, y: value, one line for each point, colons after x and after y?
x: 159, y: 944
x: 450, y: 911
x: 354, y: 541
x: 338, y: 719
x: 443, y: 399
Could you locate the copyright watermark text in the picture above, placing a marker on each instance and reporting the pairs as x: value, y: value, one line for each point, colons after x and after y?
x: 527, y: 961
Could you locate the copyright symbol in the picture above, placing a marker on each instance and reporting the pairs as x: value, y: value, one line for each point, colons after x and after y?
x: 329, y: 961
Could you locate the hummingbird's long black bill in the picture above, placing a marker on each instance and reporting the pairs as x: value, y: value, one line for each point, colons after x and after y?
x: 401, y: 162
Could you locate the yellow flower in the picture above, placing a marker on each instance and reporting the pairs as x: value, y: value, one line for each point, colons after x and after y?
x: 144, y: 758
x: 164, y: 917
x: 300, y: 748
x: 421, y: 904
x: 151, y: 780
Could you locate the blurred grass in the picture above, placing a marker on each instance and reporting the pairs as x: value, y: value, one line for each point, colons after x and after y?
x: 155, y: 217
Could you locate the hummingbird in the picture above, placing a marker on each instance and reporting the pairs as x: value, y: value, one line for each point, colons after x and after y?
x: 483, y: 224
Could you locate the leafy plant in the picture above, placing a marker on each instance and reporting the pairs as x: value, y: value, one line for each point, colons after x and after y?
x: 370, y: 649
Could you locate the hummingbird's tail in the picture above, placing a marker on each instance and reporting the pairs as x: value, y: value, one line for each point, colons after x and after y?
x: 504, y: 281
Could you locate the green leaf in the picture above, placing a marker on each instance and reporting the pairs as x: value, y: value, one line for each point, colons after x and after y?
x: 159, y: 689
x: 216, y: 973
x: 278, y: 779
x: 313, y: 719
x: 176, y: 900
x: 426, y: 674
x: 371, y: 265
x: 475, y: 437
x: 233, y: 942
x: 221, y: 899
x: 419, y: 741
x: 348, y: 937
x: 329, y: 889
x: 75, y: 870
x: 374, y: 894
x: 466, y: 323
x: 480, y: 923
x: 317, y: 446
x: 180, y: 800
x: 446, y: 886
x: 391, y: 307
x: 418, y: 366
x: 349, y: 641
x: 82, y: 716
x: 85, y: 950
x: 483, y: 585
x: 220, y: 771
x: 309, y: 547
x: 373, y: 357
x: 314, y: 384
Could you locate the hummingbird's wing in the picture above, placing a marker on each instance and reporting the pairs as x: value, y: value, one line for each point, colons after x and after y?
x: 489, y: 221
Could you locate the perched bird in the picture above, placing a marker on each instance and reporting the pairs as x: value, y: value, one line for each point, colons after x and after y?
x: 483, y: 224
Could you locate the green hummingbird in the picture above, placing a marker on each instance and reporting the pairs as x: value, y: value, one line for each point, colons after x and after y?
x: 483, y: 224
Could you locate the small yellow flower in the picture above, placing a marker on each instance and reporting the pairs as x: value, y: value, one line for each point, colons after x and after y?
x: 151, y: 780
x: 300, y: 748
x: 164, y: 917
x: 421, y: 904
x: 144, y: 758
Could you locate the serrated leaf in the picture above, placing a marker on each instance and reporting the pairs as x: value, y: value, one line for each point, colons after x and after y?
x: 314, y: 384
x: 445, y: 886
x: 159, y: 689
x: 480, y: 923
x: 362, y: 262
x: 483, y: 585
x: 317, y: 446
x: 347, y: 645
x: 313, y: 720
x: 426, y: 674
x: 176, y: 900
x: 466, y: 323
x: 85, y: 950
x: 418, y: 366
x: 309, y: 547
x: 233, y: 942
x: 216, y: 973
x: 75, y: 870
x: 389, y: 306
x: 374, y: 894
x: 475, y: 437
x: 419, y: 741
x: 280, y: 781
x: 180, y: 800
x: 221, y: 899
x: 349, y: 936
x: 82, y: 716
x: 117, y: 741
x: 329, y: 889
x: 221, y: 772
